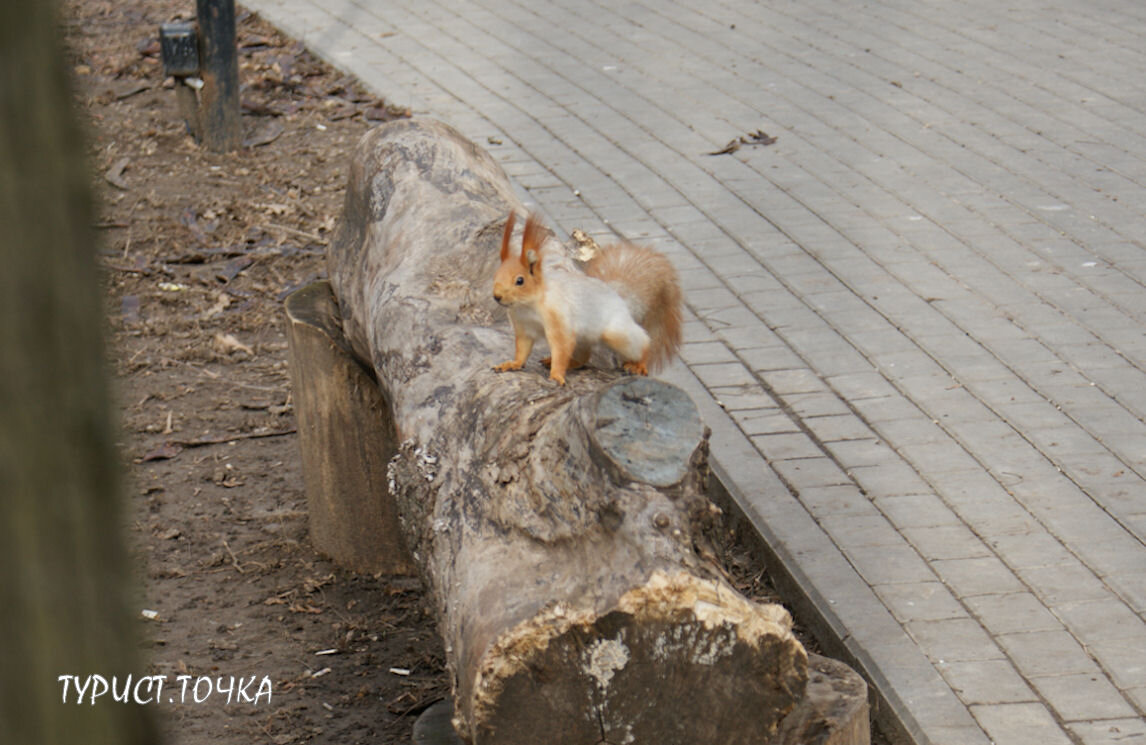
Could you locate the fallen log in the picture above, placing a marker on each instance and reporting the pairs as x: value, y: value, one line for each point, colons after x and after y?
x: 555, y: 527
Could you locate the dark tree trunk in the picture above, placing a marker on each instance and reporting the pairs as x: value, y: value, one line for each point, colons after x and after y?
x: 64, y: 606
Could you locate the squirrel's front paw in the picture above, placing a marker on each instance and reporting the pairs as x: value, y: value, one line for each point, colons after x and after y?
x: 506, y: 366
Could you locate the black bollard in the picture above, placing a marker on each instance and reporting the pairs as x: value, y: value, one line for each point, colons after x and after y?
x: 219, y: 69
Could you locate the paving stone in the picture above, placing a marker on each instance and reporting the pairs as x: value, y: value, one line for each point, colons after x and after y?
x: 889, y: 347
x: 909, y: 364
x: 764, y: 422
x: 1083, y: 696
x: 786, y: 446
x: 888, y: 565
x: 744, y: 275
x: 811, y: 472
x: 1131, y: 587
x: 705, y: 302
x: 932, y: 701
x: 953, y: 638
x: 917, y: 602
x: 915, y: 510
x: 745, y: 340
x: 841, y: 500
x: 769, y: 302
x: 988, y: 510
x: 1136, y: 695
x: 707, y: 352
x: 1065, y: 583
x: 815, y: 404
x: 766, y: 354
x: 1123, y: 659
x: 938, y: 456
x: 1096, y: 537
x: 725, y: 374
x: 1106, y: 619
x: 998, y: 393
x: 946, y: 542
x: 749, y: 396
x: 1031, y: 550
x: 1129, y: 731
x: 1020, y: 723
x: 1044, y: 653
x: 850, y: 531
x: 800, y: 380
x: 1012, y: 613
x: 866, y: 452
x: 984, y: 575
x: 838, y: 427
x: 891, y: 478
x: 888, y: 408
x: 986, y: 681
x: 860, y: 385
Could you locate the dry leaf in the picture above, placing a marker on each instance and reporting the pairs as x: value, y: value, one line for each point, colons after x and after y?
x: 228, y: 344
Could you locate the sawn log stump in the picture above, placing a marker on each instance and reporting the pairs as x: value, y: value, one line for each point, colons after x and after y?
x: 346, y: 437
x: 554, y: 526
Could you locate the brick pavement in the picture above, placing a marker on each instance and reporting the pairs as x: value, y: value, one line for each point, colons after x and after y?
x: 916, y: 322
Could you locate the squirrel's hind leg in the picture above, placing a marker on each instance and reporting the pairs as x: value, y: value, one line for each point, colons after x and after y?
x: 633, y: 347
x: 640, y: 367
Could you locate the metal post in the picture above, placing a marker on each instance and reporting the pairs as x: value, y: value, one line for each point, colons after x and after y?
x: 219, y: 68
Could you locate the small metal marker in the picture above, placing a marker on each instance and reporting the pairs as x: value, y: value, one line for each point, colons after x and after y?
x: 179, y: 48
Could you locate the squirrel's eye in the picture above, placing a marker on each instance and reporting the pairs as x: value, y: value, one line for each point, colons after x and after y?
x: 519, y: 281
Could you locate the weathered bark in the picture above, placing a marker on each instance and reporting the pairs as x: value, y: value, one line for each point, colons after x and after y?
x: 555, y: 526
x: 64, y: 599
x: 346, y: 438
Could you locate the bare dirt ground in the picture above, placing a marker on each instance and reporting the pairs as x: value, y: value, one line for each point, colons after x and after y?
x: 199, y: 251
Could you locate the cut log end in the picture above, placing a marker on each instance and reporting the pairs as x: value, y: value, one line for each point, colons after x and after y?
x: 645, y: 430
x: 315, y: 307
x: 623, y: 675
x: 833, y: 711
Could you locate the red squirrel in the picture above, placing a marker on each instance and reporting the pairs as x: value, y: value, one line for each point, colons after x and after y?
x: 627, y: 298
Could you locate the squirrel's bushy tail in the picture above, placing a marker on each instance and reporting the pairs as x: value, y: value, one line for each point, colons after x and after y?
x: 648, y: 282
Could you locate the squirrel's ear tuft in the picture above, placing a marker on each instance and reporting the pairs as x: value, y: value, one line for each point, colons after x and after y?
x: 531, y: 240
x: 505, y: 236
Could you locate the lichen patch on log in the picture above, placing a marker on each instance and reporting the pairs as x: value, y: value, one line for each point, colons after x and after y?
x: 605, y: 658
